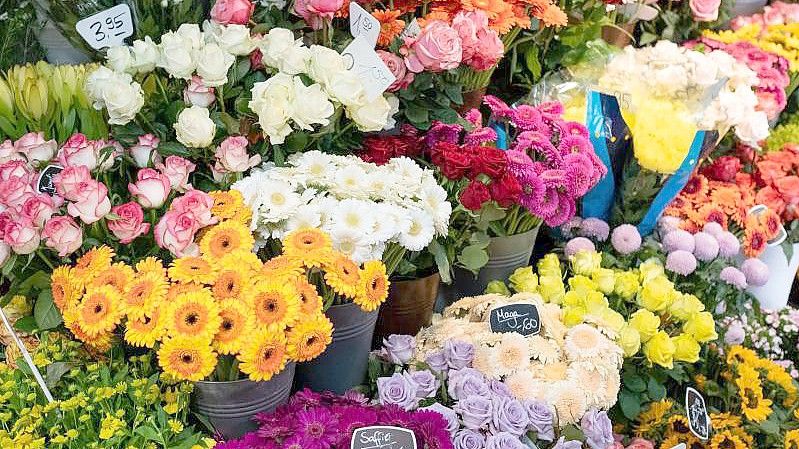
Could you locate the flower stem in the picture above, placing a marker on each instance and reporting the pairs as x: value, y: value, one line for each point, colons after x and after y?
x: 45, y: 259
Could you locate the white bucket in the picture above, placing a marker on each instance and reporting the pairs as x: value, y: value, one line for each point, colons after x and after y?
x: 782, y: 272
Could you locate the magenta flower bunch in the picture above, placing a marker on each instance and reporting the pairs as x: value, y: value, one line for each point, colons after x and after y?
x: 327, y: 421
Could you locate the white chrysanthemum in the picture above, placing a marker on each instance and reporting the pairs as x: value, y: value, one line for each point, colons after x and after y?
x: 543, y: 349
x: 434, y: 199
x: 584, y: 341
x: 555, y: 371
x: 512, y: 353
x: 277, y: 199
x: 420, y: 233
x: 569, y: 402
x: 525, y: 386
x: 356, y: 216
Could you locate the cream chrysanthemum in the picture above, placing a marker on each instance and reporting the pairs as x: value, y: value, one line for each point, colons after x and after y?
x: 584, y: 341
x: 543, y: 350
x: 525, y: 386
x: 569, y: 402
x: 512, y: 354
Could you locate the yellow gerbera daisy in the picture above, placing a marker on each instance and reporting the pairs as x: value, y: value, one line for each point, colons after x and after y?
x: 177, y: 289
x: 65, y: 288
x: 342, y: 275
x: 275, y: 305
x: 310, y: 245
x: 282, y: 267
x: 228, y: 204
x: 264, y: 356
x: 151, y: 265
x: 193, y: 314
x: 309, y: 338
x: 229, y: 284
x: 144, y: 293
x: 753, y: 405
x: 310, y: 301
x: 100, y: 310
x: 726, y: 440
x: 373, y: 286
x: 792, y: 439
x: 225, y: 238
x: 145, y: 331
x: 244, y: 261
x: 235, y: 328
x: 118, y: 275
x: 91, y: 263
x: 187, y: 358
x: 192, y: 269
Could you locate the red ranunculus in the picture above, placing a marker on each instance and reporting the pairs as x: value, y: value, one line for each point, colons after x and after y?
x: 474, y: 195
x: 453, y: 160
x: 723, y: 169
x: 506, y: 190
x: 490, y: 162
x: 377, y: 150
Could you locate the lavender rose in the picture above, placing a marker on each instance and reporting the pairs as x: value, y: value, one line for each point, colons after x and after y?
x: 571, y: 444
x: 469, y: 439
x: 597, y: 429
x: 459, y: 354
x: 499, y: 388
x: 509, y: 415
x: 426, y: 383
x: 397, y: 390
x: 475, y: 411
x: 452, y: 418
x: 398, y: 349
x: 541, y: 418
x: 437, y: 362
x: 466, y: 382
x: 504, y: 440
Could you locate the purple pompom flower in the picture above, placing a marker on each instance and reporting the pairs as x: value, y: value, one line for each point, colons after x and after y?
x: 756, y: 272
x: 626, y: 239
x: 667, y: 224
x: 734, y: 277
x: 678, y: 239
x: 713, y: 228
x: 729, y: 245
x: 706, y: 247
x: 681, y: 262
x: 578, y: 244
x: 594, y: 228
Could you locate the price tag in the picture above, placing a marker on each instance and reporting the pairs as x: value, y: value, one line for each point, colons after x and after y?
x: 45, y: 182
x: 698, y: 419
x: 363, y: 24
x: 679, y: 446
x: 520, y: 318
x: 106, y: 28
x: 383, y: 437
x: 361, y: 58
x: 412, y: 30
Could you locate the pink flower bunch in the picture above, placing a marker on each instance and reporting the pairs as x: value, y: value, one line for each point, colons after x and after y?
x: 227, y: 12
x: 441, y: 46
x: 777, y: 13
x: 772, y: 71
x: 316, y: 12
x: 232, y: 157
x: 179, y: 225
x: 93, y: 154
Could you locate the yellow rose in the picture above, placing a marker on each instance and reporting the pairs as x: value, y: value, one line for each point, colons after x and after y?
x: 629, y: 340
x: 497, y: 287
x: 646, y: 323
x: 524, y: 280
x: 573, y: 316
x: 573, y: 298
x: 610, y: 318
x: 551, y: 289
x: 594, y: 301
x: 605, y: 280
x: 650, y: 269
x: 660, y: 350
x: 686, y: 305
x: 627, y: 284
x: 582, y: 283
x: 549, y: 265
x: 701, y: 326
x: 657, y: 294
x: 686, y: 348
x: 586, y: 262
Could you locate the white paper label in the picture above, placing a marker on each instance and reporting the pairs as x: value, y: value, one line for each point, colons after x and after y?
x: 106, y: 28
x: 363, y: 24
x: 361, y: 58
x: 412, y: 30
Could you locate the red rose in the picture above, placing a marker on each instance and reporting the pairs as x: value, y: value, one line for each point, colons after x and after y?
x: 723, y: 169
x: 380, y: 149
x: 453, y: 161
x: 490, y: 162
x: 474, y: 195
x: 506, y: 190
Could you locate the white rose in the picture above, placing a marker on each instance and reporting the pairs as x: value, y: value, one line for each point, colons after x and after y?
x: 347, y: 88
x: 194, y: 127
x: 234, y: 39
x: 191, y: 35
x: 145, y: 55
x: 119, y: 58
x: 176, y: 56
x: 271, y: 101
x: 311, y: 105
x: 282, y: 51
x: 324, y: 64
x: 394, y: 103
x: 95, y: 85
x: 754, y: 129
x: 213, y: 64
x: 372, y: 116
x: 124, y: 99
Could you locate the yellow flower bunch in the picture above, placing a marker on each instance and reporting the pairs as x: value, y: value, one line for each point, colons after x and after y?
x: 667, y: 325
x: 660, y: 145
x: 760, y: 383
x: 780, y: 39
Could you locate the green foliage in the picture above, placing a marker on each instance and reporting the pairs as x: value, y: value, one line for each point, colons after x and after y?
x: 18, y: 26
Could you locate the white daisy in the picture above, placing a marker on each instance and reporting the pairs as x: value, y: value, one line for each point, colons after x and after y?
x: 277, y: 199
x: 389, y: 221
x: 354, y: 215
x: 350, y: 243
x: 350, y: 182
x: 420, y: 233
x: 317, y: 166
x: 307, y: 216
x: 434, y: 199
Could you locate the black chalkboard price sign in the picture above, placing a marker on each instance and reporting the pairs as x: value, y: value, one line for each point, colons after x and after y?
x: 520, y: 318
x: 698, y: 419
x: 45, y: 183
x: 383, y: 437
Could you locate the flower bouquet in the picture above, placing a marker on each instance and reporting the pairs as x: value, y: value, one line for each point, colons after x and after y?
x: 757, y: 330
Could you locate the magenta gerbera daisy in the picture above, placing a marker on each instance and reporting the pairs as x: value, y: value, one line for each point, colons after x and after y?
x: 316, y: 428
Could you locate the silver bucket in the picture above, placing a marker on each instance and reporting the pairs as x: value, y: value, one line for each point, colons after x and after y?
x: 505, y: 255
x: 343, y: 364
x: 230, y: 406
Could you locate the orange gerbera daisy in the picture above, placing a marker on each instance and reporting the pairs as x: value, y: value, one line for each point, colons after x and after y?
x: 770, y: 223
x: 696, y: 187
x: 490, y: 7
x: 754, y: 241
x: 434, y: 14
x: 711, y: 212
x: 310, y: 301
x: 504, y: 19
x: 390, y: 25
x: 554, y: 16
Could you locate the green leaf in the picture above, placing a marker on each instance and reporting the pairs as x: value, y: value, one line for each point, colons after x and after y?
x: 770, y: 427
x: 473, y: 257
x: 231, y: 124
x: 655, y: 389
x: 297, y: 141
x: 26, y: 324
x: 238, y: 71
x: 442, y: 261
x: 45, y: 312
x: 173, y: 148
x: 532, y: 62
x: 148, y: 432
x: 55, y: 371
x: 629, y: 403
x: 416, y: 113
x: 633, y: 382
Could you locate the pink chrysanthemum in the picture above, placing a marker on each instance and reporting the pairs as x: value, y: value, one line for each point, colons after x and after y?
x: 442, y: 132
x: 706, y: 247
x: 678, y: 239
x: 574, y: 144
x: 527, y: 118
x: 565, y: 210
x: 626, y: 239
x: 498, y: 107
x: 548, y: 203
x: 573, y: 129
x: 480, y: 135
x: 594, y: 228
x: 756, y: 272
x: 734, y: 277
x: 578, y: 244
x: 681, y: 262
x: 316, y: 428
x: 474, y: 117
x: 533, y: 190
x: 729, y: 245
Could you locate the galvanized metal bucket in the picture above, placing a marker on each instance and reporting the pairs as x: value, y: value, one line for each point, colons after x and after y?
x: 230, y: 406
x: 343, y: 364
x: 409, y: 307
x: 505, y: 254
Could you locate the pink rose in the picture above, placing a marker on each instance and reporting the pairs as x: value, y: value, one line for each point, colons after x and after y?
x: 22, y: 236
x: 198, y: 203
x: 63, y: 234
x: 198, y: 94
x: 616, y: 445
x: 68, y: 183
x: 396, y: 65
x: 489, y: 50
x: 151, y: 188
x: 771, y: 101
x: 640, y: 443
x: 177, y: 170
x: 8, y: 152
x: 130, y: 223
x: 228, y: 12
x: 14, y: 191
x: 482, y: 47
x: 5, y: 219
x: 705, y: 10
x: 38, y: 208
x: 78, y: 151
x: 302, y: 9
x: 144, y: 150
x: 175, y: 232
x: 35, y: 148
x: 16, y: 168
x: 231, y: 155
x: 438, y: 48
x: 92, y: 202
